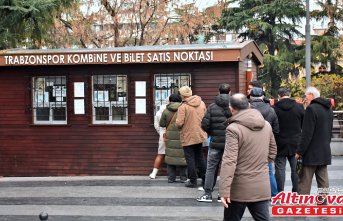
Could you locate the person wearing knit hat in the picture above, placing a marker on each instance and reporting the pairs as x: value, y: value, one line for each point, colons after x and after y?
x: 256, y: 92
x: 185, y: 91
x: 188, y: 120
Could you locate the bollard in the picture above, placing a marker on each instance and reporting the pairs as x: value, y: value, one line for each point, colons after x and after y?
x: 43, y: 216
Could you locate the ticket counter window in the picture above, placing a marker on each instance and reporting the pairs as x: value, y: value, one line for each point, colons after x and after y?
x: 49, y: 100
x: 109, y: 99
x: 167, y: 84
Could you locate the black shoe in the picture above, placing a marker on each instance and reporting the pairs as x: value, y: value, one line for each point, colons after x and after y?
x: 189, y: 184
x: 205, y: 198
x: 171, y: 180
x: 219, y: 200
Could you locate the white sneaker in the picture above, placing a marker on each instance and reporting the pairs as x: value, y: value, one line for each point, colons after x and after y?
x: 205, y: 198
x: 152, y: 176
x: 201, y: 188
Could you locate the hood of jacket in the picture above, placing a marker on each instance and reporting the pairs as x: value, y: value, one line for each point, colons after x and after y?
x: 173, y: 106
x: 193, y: 101
x: 286, y: 104
x: 249, y: 118
x: 322, y: 101
x: 222, y: 100
x: 263, y: 107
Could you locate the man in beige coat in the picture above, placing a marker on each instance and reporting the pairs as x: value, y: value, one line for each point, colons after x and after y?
x: 244, y: 176
x: 189, y: 117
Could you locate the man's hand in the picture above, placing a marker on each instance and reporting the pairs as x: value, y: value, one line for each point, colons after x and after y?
x: 225, y: 201
x: 297, y: 156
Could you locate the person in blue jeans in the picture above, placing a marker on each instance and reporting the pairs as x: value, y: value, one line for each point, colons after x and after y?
x: 257, y: 102
x: 273, y: 185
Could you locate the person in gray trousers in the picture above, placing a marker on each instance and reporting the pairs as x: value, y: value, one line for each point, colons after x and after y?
x: 214, y: 124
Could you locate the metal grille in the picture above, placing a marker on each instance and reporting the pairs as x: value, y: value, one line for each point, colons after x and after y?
x: 337, y: 130
x: 167, y: 84
x: 110, y: 99
x: 50, y: 100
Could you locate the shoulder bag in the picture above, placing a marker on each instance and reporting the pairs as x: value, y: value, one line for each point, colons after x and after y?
x: 165, y: 133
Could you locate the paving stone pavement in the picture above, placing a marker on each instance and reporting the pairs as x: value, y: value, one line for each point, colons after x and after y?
x: 121, y: 198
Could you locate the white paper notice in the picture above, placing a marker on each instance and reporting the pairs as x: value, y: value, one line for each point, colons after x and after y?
x: 79, y: 89
x: 140, y: 106
x: 79, y: 106
x: 140, y: 88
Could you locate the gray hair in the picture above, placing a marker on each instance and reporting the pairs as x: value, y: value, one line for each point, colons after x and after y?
x: 313, y: 90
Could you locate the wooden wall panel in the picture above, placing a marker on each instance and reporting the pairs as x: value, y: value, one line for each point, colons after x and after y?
x: 81, y: 148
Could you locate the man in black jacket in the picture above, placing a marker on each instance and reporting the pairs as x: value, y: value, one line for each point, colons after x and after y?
x: 290, y: 115
x: 314, y: 148
x: 214, y: 124
x: 257, y: 102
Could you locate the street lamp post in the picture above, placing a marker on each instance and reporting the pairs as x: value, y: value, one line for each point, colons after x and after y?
x: 308, y: 44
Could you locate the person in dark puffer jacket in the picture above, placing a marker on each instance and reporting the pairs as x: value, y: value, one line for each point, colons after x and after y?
x: 214, y: 124
x: 257, y: 102
x: 174, y: 156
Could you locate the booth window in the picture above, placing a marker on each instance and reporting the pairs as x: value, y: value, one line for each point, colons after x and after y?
x: 167, y: 84
x: 49, y: 100
x: 109, y: 98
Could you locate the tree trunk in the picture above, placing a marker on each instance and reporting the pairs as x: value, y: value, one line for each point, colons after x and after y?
x: 275, y: 84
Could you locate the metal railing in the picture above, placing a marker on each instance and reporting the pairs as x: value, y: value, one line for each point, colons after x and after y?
x: 337, y: 130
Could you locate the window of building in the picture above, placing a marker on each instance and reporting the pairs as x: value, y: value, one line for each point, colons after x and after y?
x: 167, y: 84
x: 109, y: 99
x: 49, y: 100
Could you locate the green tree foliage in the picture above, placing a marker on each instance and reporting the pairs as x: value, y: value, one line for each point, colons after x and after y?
x: 27, y: 22
x: 332, y: 10
x: 296, y: 86
x: 326, y: 48
x: 272, y: 24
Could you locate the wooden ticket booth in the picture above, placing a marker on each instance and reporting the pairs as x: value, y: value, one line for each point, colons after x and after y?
x: 90, y: 111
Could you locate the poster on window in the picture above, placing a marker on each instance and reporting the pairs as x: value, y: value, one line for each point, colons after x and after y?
x: 121, y: 82
x: 140, y: 89
x: 140, y: 106
x: 161, y: 95
x: 79, y: 106
x: 40, y: 84
x: 59, y: 91
x: 79, y: 89
x: 42, y: 97
x: 100, y: 95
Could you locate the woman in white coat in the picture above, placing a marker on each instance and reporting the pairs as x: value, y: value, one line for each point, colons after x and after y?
x: 161, y: 145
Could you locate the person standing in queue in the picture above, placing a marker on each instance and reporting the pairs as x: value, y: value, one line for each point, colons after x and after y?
x: 174, y: 157
x: 188, y: 120
x: 244, y: 177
